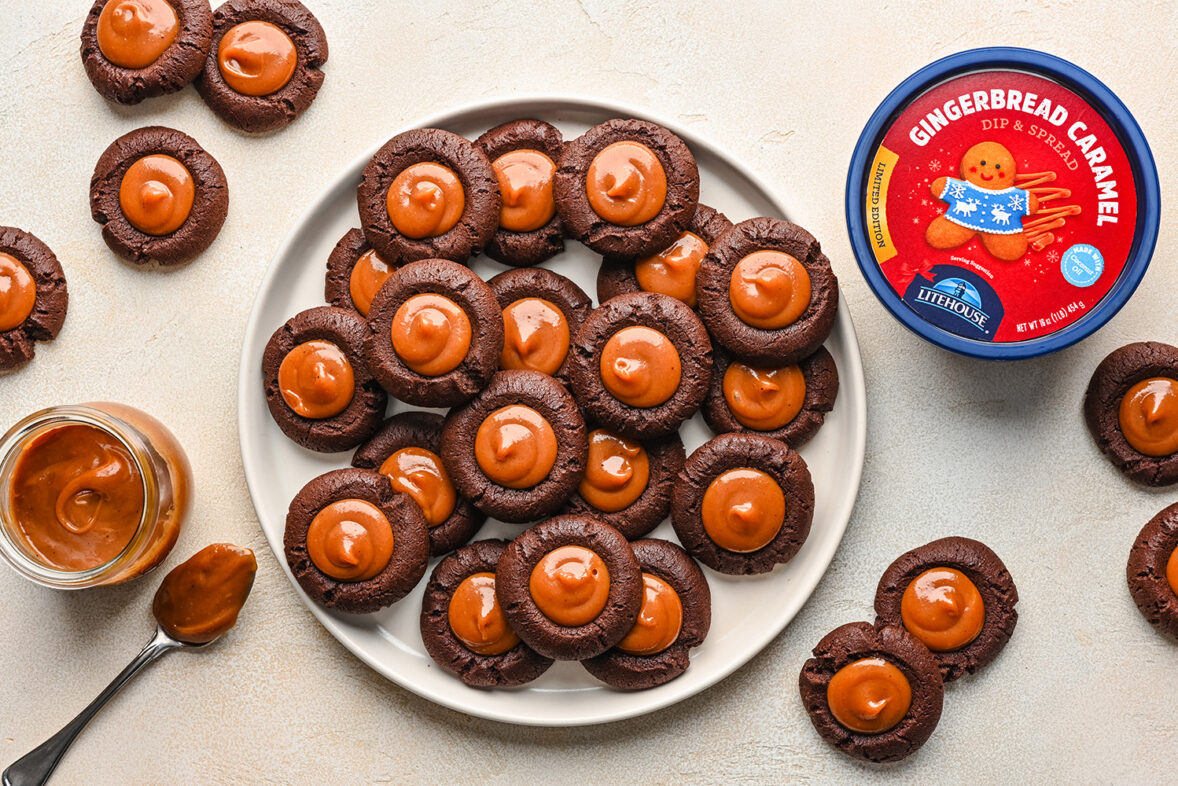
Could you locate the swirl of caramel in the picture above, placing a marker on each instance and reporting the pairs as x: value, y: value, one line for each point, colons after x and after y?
x: 156, y: 194
x: 1148, y: 416
x: 515, y: 446
x: 18, y: 292
x: 659, y: 621
x: 420, y: 474
x: 535, y: 336
x: 570, y: 585
x: 425, y: 200
x: 350, y: 540
x: 256, y: 58
x: 616, y: 473
x: 769, y: 289
x: 77, y: 495
x: 869, y: 695
x: 943, y: 609
x: 626, y: 184
x: 672, y: 271
x: 743, y: 510
x: 431, y: 334
x: 316, y: 380
x: 476, y: 618
x: 764, y: 399
x: 525, y: 182
x: 640, y: 367
x: 134, y: 33
x: 368, y: 274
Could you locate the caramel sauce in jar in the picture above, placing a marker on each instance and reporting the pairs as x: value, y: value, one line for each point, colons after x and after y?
x: 91, y: 494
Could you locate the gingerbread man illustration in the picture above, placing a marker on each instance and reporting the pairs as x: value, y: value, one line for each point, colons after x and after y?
x: 985, y: 202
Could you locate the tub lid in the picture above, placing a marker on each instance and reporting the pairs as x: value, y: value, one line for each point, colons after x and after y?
x: 1002, y: 203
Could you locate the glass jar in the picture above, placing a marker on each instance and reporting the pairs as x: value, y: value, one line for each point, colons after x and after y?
x: 162, y: 467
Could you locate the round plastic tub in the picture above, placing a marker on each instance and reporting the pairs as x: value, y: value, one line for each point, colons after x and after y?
x: 1002, y: 203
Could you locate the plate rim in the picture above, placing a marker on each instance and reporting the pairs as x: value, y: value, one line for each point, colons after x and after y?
x: 850, y: 377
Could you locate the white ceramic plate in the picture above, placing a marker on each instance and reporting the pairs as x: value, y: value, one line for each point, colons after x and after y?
x: 747, y: 612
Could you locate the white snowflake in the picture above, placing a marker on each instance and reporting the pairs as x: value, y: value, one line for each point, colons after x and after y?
x: 957, y: 190
x: 1053, y: 256
x: 925, y: 202
x: 935, y: 164
x: 915, y: 220
x: 1016, y: 202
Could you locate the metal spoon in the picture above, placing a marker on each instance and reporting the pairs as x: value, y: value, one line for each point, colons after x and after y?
x: 35, y: 767
x: 198, y: 602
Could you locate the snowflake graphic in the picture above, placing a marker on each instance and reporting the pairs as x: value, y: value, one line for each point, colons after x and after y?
x: 1053, y: 256
x: 957, y: 190
x: 935, y: 164
x: 915, y: 220
x: 925, y: 202
x: 1016, y: 202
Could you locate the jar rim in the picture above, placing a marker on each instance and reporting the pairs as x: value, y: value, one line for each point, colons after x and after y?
x: 44, y: 421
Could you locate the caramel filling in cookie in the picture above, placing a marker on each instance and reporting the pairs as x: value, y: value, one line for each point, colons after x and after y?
x: 368, y: 274
x: 425, y: 200
x: 535, y: 336
x: 764, y: 399
x: 743, y: 510
x: 256, y: 58
x: 431, y: 334
x: 672, y: 270
x: 570, y: 585
x: 869, y: 696
x: 640, y: 367
x: 525, y: 182
x: 316, y: 380
x: 1172, y: 571
x: 134, y: 33
x: 769, y: 289
x: 616, y: 474
x: 659, y: 621
x: 420, y: 474
x: 1149, y: 416
x: 626, y: 184
x: 515, y: 447
x: 156, y: 194
x: 350, y: 540
x: 18, y: 292
x: 943, y: 609
x: 477, y: 620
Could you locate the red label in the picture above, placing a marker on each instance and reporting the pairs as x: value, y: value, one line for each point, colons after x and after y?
x: 1000, y: 206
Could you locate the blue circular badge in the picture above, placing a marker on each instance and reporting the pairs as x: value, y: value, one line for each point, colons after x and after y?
x: 1082, y: 265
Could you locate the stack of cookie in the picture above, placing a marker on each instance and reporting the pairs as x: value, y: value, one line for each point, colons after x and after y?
x: 943, y: 610
x: 560, y: 415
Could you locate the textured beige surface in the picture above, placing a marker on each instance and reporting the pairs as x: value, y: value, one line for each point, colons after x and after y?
x: 1085, y: 691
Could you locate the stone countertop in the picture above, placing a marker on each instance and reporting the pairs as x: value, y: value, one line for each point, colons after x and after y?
x: 1083, y: 693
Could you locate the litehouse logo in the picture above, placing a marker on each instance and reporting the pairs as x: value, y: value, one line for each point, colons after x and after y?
x: 956, y: 300
x: 956, y: 296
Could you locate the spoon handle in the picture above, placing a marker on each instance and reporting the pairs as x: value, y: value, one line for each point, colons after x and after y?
x: 35, y: 767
